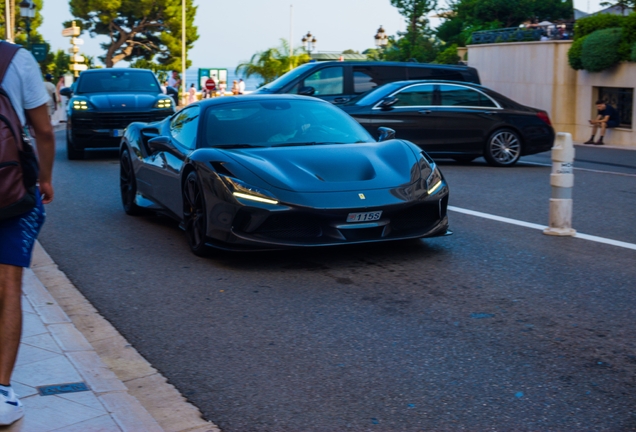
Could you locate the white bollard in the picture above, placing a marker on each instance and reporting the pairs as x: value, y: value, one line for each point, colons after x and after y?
x: 561, y: 180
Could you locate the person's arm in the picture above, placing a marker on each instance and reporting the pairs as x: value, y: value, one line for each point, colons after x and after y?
x: 45, y: 141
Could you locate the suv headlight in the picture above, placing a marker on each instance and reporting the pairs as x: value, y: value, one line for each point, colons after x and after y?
x: 79, y: 104
x: 164, y: 103
x: 243, y: 190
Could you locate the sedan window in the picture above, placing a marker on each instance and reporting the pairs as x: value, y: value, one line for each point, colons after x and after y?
x: 456, y: 96
x: 417, y: 95
x: 183, y: 127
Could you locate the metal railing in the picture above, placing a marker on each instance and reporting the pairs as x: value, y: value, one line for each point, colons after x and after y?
x: 521, y: 34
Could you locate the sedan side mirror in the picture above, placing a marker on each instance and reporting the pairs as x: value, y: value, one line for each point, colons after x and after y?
x: 386, y: 134
x: 388, y: 102
x: 307, y: 91
x: 161, y: 143
x: 66, y: 91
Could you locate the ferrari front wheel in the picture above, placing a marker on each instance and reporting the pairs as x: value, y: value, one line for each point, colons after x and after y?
x: 128, y: 185
x: 194, y: 215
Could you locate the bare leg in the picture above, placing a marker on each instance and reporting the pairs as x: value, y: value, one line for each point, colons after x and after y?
x: 10, y: 319
x: 603, y: 128
x: 594, y: 129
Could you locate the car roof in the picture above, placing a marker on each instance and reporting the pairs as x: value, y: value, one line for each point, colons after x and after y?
x: 134, y: 70
x: 388, y: 63
x: 257, y: 97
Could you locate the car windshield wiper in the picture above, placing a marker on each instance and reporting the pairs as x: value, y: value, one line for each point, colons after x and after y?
x: 235, y: 146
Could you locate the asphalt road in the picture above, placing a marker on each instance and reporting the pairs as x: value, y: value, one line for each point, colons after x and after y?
x: 497, y: 327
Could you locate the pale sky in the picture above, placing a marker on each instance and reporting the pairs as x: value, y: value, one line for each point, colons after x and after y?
x: 230, y: 32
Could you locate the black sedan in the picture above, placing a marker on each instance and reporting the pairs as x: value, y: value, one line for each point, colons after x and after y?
x: 104, y: 102
x: 455, y: 120
x: 271, y: 172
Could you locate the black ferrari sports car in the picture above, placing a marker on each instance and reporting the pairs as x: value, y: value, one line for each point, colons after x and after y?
x: 105, y: 101
x: 279, y: 171
x: 457, y: 120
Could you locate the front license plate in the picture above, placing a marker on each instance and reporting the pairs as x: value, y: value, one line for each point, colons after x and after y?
x: 364, y: 217
x: 117, y: 132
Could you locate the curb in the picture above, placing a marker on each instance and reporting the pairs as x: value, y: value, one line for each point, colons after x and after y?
x: 137, y: 395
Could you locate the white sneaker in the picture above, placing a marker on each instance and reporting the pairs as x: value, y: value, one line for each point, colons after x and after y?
x: 10, y: 407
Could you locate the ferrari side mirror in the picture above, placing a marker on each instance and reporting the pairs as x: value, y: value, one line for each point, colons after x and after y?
x: 386, y: 134
x: 307, y: 91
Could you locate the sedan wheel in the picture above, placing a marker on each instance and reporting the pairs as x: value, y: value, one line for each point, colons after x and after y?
x: 194, y: 215
x: 128, y: 185
x: 503, y: 148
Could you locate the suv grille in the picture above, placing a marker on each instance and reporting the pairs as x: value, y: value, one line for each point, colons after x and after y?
x: 114, y: 120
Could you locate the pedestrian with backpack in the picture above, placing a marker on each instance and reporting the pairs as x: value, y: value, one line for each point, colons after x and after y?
x: 24, y: 186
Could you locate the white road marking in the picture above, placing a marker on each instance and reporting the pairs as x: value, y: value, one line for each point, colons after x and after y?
x: 580, y: 169
x: 541, y: 227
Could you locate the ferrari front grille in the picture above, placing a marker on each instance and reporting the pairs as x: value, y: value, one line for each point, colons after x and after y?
x: 289, y: 227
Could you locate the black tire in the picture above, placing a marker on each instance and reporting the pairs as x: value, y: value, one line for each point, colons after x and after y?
x: 128, y: 185
x: 194, y: 215
x: 71, y: 152
x: 464, y: 159
x: 503, y: 148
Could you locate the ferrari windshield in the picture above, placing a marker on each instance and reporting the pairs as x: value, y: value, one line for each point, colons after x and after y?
x: 280, y: 122
x: 118, y: 81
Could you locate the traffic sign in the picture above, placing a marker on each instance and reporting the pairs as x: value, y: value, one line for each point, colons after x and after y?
x: 77, y: 41
x: 210, y: 84
x: 77, y: 59
x: 71, y: 31
x: 39, y: 51
x: 78, y: 67
x: 73, y: 50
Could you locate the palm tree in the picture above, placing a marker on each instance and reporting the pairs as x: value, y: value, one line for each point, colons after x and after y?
x: 273, y: 62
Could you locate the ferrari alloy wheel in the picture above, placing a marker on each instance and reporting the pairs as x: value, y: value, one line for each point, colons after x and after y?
x: 194, y: 217
x: 503, y: 148
x: 128, y: 185
x: 71, y: 152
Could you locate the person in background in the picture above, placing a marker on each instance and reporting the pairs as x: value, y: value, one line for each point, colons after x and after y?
x: 52, y: 92
x: 21, y: 79
x: 60, y: 113
x: 241, y: 86
x: 235, y: 87
x: 222, y: 88
x: 192, y: 94
x: 607, y: 118
x: 174, y: 81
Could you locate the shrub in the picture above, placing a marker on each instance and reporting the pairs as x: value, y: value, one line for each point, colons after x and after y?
x: 574, y: 54
x: 448, y: 56
x: 632, y: 56
x: 590, y: 24
x: 600, y: 49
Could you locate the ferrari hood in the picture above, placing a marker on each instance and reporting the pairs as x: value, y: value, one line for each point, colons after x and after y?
x: 122, y: 101
x: 333, y: 167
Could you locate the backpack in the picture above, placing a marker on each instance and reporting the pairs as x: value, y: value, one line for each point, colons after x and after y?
x: 18, y: 164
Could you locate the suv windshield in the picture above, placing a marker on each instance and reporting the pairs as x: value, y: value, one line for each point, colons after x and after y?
x: 286, y: 79
x: 118, y: 82
x: 277, y: 123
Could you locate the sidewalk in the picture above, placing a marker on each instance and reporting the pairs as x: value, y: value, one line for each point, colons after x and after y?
x: 66, y: 384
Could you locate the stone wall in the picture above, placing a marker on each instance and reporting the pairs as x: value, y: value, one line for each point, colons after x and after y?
x: 537, y: 74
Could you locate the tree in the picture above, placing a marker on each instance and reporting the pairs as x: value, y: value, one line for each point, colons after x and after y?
x: 621, y: 4
x: 416, y: 42
x: 273, y: 62
x: 148, y: 29
x: 463, y: 17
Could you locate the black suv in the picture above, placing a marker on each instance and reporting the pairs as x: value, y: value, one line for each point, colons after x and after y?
x: 105, y: 101
x: 339, y: 82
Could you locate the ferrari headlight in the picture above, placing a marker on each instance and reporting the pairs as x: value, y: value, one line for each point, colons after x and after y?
x: 243, y: 190
x: 80, y: 105
x: 434, y: 181
x: 164, y: 103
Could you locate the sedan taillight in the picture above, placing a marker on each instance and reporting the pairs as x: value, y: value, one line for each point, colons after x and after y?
x: 544, y: 116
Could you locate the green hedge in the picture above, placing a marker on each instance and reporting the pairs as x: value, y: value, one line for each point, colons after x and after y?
x: 574, y: 54
x: 590, y: 24
x: 601, y: 49
x: 632, y: 56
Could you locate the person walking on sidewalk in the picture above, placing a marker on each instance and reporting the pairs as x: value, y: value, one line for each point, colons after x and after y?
x: 21, y: 82
x: 607, y: 118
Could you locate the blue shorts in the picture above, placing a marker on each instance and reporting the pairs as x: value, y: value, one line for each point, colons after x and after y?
x: 18, y: 235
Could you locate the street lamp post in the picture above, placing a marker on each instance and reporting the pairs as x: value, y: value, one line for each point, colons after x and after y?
x: 309, y: 42
x: 183, y: 51
x: 27, y: 11
x: 381, y: 39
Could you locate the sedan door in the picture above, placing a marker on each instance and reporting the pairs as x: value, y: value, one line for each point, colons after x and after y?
x: 465, y: 118
x: 413, y: 116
